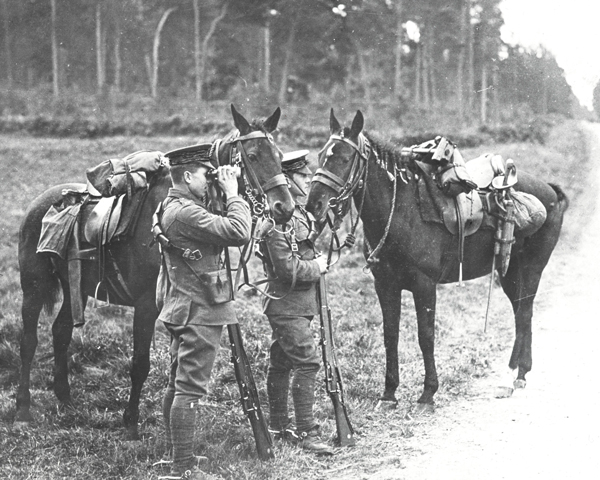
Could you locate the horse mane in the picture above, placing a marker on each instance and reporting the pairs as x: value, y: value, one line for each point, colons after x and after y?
x: 389, y: 154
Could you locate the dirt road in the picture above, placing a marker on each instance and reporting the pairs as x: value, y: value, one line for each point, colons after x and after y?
x: 551, y: 429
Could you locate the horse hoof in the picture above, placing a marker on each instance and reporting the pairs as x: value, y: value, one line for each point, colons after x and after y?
x: 19, y: 426
x: 132, y: 445
x: 424, y: 409
x: 520, y: 383
x: 386, y: 405
x: 504, y: 392
x: 131, y: 434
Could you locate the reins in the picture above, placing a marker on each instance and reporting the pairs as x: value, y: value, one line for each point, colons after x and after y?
x: 256, y: 195
x: 345, y: 189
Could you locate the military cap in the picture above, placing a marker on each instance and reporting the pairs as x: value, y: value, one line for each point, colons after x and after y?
x: 199, y: 154
x: 296, y: 162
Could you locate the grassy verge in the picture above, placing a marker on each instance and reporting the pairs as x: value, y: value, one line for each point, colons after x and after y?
x: 87, y: 442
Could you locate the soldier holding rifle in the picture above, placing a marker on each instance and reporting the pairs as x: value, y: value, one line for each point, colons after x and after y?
x: 293, y: 270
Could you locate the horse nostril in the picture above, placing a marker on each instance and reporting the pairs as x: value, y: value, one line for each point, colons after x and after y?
x: 282, y: 212
x: 319, y: 207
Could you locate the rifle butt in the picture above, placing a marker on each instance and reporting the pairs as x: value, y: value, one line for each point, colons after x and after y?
x: 345, y: 432
x: 260, y: 430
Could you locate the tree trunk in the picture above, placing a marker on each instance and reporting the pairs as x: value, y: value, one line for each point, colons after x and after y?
x: 433, y: 93
x: 267, y: 58
x: 460, y: 79
x: 155, y: 48
x: 54, y: 48
x: 289, y: 46
x: 418, y: 72
x: 398, y: 90
x: 204, y: 56
x: 197, y: 54
x: 100, y: 73
x: 7, y: 49
x: 484, y: 88
x: 425, y: 66
x: 364, y: 76
x: 495, y: 94
x: 117, y: 53
x: 470, y: 63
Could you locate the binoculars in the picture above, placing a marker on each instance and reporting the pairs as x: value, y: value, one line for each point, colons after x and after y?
x: 213, y: 174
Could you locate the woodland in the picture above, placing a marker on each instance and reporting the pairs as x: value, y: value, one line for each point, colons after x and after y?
x: 417, y: 63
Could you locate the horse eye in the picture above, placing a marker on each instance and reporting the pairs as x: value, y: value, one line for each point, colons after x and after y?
x: 252, y: 157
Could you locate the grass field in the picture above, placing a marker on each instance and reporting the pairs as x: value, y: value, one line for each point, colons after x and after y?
x: 87, y: 441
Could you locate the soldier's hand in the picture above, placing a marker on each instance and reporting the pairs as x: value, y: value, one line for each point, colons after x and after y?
x: 226, y: 176
x: 322, y: 261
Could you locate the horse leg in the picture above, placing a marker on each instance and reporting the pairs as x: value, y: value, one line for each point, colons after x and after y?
x: 424, y: 294
x: 30, y: 311
x: 143, y: 327
x: 390, y: 300
x: 520, y: 285
x: 62, y: 333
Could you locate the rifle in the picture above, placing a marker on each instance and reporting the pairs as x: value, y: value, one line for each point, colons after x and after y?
x: 245, y: 380
x: 249, y: 394
x: 333, y: 377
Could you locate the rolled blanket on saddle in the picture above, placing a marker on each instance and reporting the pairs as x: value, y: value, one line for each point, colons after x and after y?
x: 115, y: 177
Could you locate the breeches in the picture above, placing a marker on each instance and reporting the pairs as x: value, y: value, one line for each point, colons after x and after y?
x: 293, y: 354
x: 193, y: 352
x: 293, y: 343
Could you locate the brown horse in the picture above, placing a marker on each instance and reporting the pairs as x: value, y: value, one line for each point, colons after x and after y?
x: 415, y: 255
x: 137, y: 258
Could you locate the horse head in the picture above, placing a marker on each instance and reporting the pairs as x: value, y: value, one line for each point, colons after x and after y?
x: 262, y: 182
x: 342, y: 164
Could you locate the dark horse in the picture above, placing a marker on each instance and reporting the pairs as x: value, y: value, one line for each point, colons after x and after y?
x: 137, y: 258
x: 414, y: 255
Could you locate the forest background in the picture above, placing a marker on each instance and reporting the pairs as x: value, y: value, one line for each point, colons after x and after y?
x: 89, y: 68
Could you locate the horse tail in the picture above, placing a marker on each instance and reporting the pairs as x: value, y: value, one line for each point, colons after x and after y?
x: 563, y: 200
x: 51, y: 295
x: 39, y: 280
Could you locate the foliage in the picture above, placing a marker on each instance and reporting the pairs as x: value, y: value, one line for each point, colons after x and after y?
x: 596, y: 100
x: 297, y: 50
x: 87, y: 442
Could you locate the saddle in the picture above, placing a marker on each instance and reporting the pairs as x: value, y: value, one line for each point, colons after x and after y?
x: 87, y: 221
x: 464, y: 212
x: 100, y: 227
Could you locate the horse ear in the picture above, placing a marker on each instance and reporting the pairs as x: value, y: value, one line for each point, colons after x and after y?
x: 240, y: 122
x: 270, y: 123
x: 357, y: 124
x: 334, y: 125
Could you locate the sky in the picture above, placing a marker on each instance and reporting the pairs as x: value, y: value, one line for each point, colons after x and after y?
x: 570, y: 29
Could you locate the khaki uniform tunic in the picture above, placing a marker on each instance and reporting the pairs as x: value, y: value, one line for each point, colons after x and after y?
x: 188, y: 224
x: 280, y: 263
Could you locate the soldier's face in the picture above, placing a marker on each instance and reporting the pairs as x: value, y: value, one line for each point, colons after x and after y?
x: 196, y: 181
x: 300, y: 184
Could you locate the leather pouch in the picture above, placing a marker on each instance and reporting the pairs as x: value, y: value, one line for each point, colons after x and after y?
x: 217, y: 286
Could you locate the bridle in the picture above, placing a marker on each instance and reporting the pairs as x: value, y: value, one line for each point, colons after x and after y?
x: 346, y: 189
x: 254, y: 191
